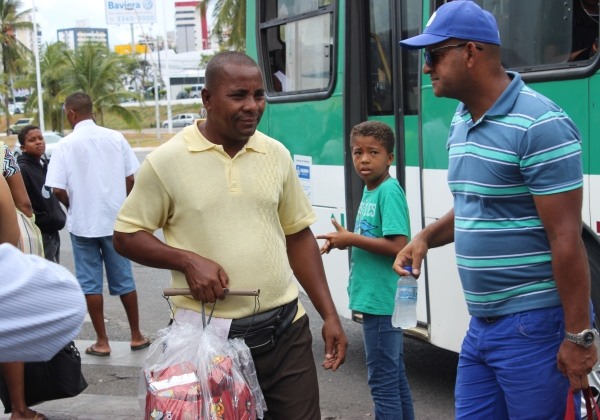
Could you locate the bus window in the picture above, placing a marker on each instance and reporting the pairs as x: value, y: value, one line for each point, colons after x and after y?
x: 545, y: 34
x: 287, y: 8
x: 298, y: 41
x: 412, y: 15
x: 379, y: 66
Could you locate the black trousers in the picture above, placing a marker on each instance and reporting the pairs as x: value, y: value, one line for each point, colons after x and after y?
x: 288, y: 376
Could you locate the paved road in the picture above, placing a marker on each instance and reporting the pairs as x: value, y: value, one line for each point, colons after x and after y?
x: 113, y: 381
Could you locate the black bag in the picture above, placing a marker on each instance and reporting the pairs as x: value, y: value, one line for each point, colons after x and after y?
x: 261, y: 331
x: 58, y: 378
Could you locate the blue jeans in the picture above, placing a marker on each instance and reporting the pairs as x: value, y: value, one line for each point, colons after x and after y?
x: 385, y: 364
x: 507, y: 368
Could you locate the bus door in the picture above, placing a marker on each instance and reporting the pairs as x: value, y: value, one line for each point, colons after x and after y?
x: 382, y: 83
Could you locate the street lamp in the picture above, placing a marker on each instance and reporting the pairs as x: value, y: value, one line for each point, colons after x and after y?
x: 38, y: 76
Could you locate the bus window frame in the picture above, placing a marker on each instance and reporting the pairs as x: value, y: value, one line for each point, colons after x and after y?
x: 263, y: 60
x: 548, y: 72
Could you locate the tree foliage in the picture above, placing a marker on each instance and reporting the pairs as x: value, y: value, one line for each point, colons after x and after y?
x: 229, y: 17
x: 15, y: 55
x: 93, y: 69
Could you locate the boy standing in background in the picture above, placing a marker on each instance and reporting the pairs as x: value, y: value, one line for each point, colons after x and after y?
x: 381, y: 230
x: 49, y: 216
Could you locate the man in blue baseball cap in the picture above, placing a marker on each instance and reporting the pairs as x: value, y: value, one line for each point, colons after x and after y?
x: 515, y: 171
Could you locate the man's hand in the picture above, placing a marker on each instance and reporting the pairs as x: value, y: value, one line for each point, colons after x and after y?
x: 206, y: 278
x: 576, y: 362
x: 336, y: 343
x: 340, y: 239
x: 411, y: 255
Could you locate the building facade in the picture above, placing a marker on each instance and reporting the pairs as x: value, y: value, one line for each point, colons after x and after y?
x: 74, y: 37
x: 191, y: 30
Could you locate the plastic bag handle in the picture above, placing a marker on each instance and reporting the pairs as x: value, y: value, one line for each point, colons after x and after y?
x: 590, y: 405
x: 229, y: 292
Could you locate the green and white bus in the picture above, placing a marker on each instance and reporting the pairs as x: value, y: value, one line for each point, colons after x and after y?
x: 330, y: 64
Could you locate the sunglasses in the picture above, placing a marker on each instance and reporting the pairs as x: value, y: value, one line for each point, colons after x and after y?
x: 432, y: 55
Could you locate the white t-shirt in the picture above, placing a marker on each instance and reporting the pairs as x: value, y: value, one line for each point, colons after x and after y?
x: 91, y: 164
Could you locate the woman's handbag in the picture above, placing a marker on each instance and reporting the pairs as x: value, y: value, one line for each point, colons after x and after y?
x: 30, y: 241
x: 593, y: 412
x: 58, y: 378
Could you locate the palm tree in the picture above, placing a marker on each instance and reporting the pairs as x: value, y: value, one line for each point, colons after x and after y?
x: 53, y: 65
x: 230, y: 16
x: 11, y: 49
x: 93, y: 69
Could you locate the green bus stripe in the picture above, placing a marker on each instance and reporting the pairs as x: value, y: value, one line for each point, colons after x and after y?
x: 504, y: 262
x: 531, y: 288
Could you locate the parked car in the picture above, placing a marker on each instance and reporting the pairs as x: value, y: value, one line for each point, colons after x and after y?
x: 16, y: 107
x: 20, y: 123
x: 181, y: 120
x: 182, y: 95
x: 196, y: 91
x: 50, y: 137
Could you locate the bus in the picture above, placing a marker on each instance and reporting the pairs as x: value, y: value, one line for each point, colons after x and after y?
x: 330, y: 64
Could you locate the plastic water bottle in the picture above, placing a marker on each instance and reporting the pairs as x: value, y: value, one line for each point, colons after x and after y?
x: 405, y: 309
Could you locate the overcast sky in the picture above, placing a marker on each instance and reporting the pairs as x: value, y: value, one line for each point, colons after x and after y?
x: 61, y: 14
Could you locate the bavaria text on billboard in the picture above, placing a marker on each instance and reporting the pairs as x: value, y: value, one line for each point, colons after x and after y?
x: 130, y: 11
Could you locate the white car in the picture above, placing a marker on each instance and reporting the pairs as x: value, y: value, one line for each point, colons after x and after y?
x: 50, y: 137
x: 181, y: 120
x: 196, y: 91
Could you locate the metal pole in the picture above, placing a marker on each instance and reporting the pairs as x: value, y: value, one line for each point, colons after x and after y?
x: 168, y: 72
x: 132, y: 40
x: 37, y: 70
x: 157, y: 114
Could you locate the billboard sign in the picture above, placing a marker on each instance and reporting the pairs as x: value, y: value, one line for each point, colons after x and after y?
x: 130, y: 11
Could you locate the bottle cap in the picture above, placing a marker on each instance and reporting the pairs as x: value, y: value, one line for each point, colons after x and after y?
x: 408, y: 268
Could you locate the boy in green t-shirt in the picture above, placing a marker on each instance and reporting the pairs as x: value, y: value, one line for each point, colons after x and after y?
x: 382, y: 229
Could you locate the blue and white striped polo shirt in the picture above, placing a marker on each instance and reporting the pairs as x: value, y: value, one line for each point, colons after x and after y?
x: 524, y: 145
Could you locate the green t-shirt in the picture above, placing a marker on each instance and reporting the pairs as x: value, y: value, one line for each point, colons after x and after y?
x: 382, y: 212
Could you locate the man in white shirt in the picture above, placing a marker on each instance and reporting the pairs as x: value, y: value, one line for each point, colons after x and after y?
x: 91, y: 173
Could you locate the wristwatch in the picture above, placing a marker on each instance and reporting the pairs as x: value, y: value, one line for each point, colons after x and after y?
x: 584, y: 339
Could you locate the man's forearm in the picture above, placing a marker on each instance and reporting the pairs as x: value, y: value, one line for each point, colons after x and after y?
x: 440, y: 232
x: 306, y: 262
x: 62, y: 196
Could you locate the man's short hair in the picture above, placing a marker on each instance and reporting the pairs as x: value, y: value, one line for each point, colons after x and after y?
x: 80, y: 102
x: 216, y: 65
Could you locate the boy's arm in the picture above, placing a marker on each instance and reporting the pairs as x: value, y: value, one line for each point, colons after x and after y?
x: 343, y: 238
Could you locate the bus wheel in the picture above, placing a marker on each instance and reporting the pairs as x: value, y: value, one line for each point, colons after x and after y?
x: 592, y: 247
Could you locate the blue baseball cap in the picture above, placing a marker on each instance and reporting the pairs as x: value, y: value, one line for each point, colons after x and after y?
x: 462, y: 19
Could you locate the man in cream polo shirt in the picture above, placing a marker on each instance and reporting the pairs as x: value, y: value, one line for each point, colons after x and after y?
x: 234, y: 215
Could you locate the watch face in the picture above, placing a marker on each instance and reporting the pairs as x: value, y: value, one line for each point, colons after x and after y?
x: 588, y: 338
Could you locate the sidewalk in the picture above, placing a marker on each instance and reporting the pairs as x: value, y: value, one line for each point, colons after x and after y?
x: 96, y: 407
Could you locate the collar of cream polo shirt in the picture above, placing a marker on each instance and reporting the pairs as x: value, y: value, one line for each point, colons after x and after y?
x: 196, y: 142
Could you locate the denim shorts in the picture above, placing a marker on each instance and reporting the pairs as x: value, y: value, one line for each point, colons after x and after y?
x: 89, y: 255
